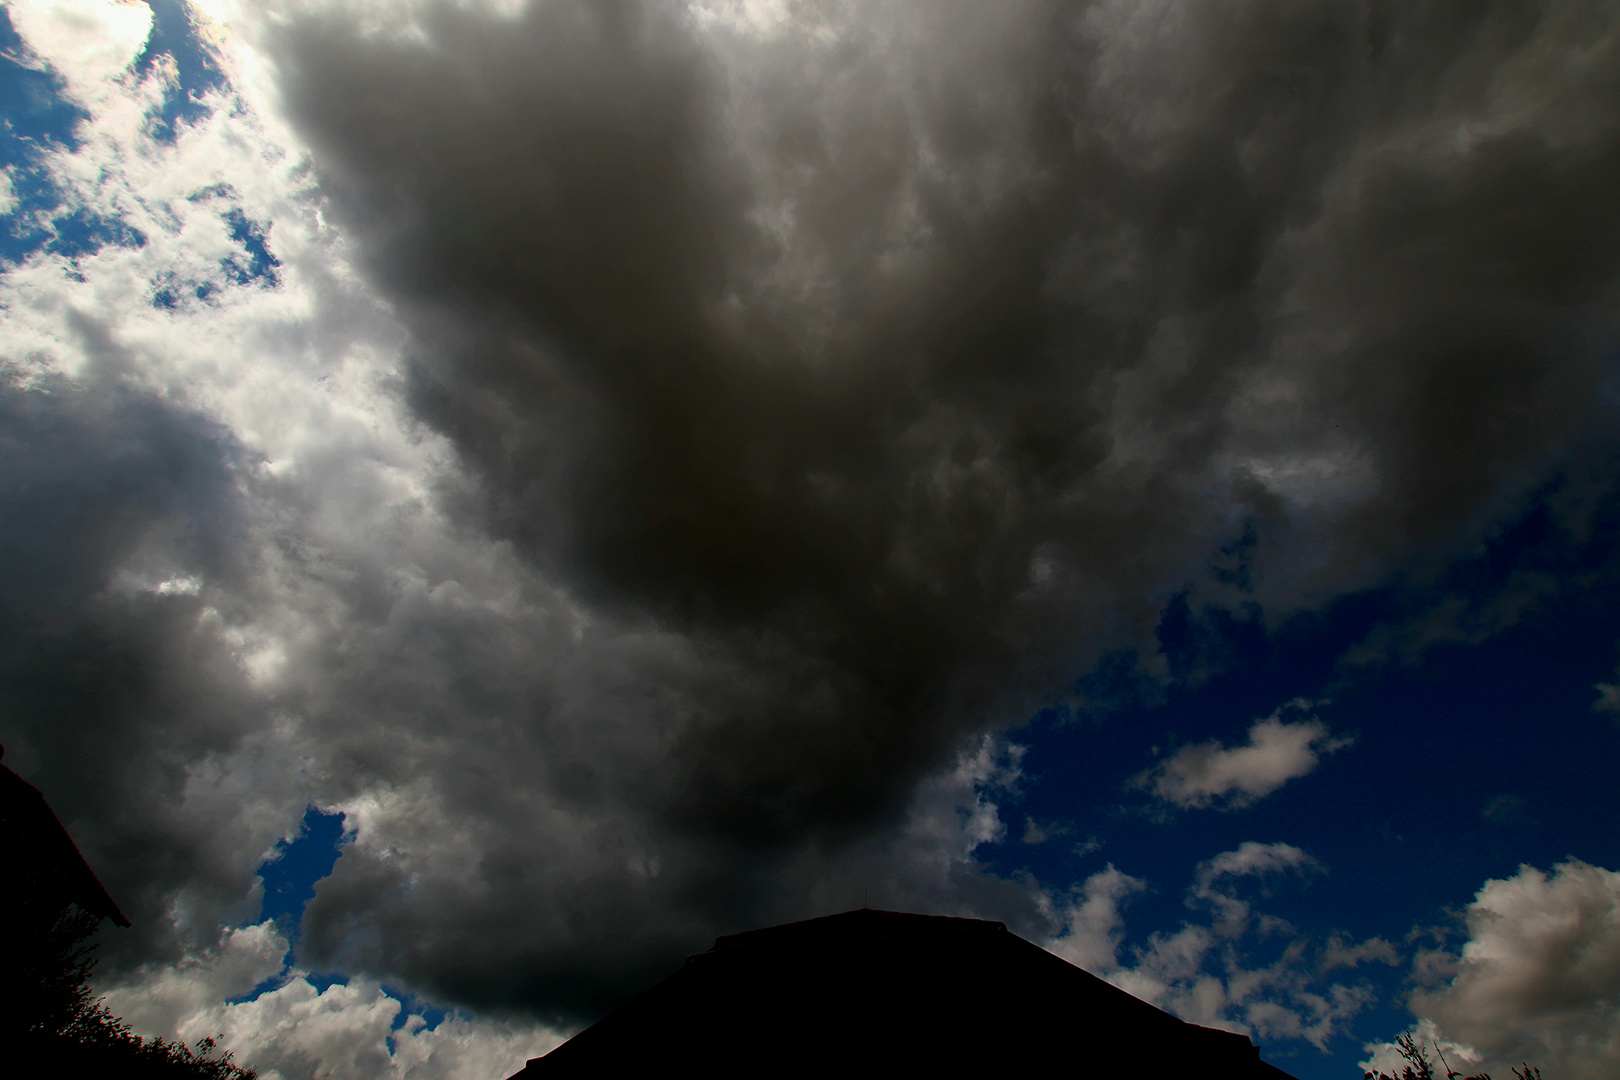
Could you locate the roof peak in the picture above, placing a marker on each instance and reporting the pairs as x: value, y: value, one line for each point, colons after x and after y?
x: 861, y: 923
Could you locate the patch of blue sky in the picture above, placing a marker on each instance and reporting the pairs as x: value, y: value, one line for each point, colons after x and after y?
x: 253, y: 264
x: 195, y: 70
x: 289, y: 877
x: 294, y: 866
x: 1467, y: 688
x: 36, y: 117
x: 411, y: 1005
x: 170, y: 292
x: 83, y: 232
x: 256, y: 263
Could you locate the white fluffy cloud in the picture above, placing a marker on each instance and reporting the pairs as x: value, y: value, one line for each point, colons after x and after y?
x: 162, y: 999
x: 1212, y: 883
x: 1093, y: 924
x: 1212, y: 773
x: 1241, y: 970
x: 1538, y: 979
x: 299, y: 1032
x: 88, y: 42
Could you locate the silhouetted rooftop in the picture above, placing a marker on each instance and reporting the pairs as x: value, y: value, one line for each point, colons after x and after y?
x: 884, y: 990
x: 44, y: 869
x: 862, y: 925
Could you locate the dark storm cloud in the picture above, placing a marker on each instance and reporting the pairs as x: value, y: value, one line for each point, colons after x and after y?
x: 850, y: 525
x: 877, y: 368
x: 114, y: 505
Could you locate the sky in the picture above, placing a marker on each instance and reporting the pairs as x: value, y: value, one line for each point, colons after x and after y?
x: 495, y: 494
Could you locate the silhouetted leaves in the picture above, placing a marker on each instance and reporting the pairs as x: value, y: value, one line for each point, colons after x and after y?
x: 1419, y: 1067
x: 50, y: 1019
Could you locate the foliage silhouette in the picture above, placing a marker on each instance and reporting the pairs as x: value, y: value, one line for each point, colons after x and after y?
x: 51, y: 1020
x: 1419, y: 1067
x: 50, y: 905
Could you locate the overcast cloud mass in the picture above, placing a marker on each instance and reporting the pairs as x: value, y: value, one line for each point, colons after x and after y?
x: 644, y: 464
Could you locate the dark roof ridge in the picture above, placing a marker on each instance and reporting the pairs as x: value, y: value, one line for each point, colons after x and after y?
x: 34, y: 832
x: 888, y: 991
x: 859, y: 924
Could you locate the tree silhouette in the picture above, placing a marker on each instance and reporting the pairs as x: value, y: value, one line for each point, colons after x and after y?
x: 51, y: 1019
x: 1419, y: 1067
x: 51, y: 1022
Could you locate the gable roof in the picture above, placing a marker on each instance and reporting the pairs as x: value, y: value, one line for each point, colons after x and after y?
x: 44, y: 869
x: 864, y: 924
x: 879, y: 990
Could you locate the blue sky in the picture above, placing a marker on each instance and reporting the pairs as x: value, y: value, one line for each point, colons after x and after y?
x: 1469, y: 760
x: 499, y: 497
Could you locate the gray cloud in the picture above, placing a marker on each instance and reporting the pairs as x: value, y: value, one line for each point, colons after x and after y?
x: 892, y: 388
x: 815, y: 396
x: 116, y: 503
x: 883, y: 363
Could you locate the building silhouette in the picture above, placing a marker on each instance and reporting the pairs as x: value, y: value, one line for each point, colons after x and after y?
x: 869, y: 992
x: 51, y: 1023
x: 44, y: 872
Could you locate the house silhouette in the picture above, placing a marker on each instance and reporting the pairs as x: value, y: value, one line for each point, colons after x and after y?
x: 870, y: 992
x: 43, y: 868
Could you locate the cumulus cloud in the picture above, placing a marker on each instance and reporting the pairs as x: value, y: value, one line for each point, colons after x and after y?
x: 88, y: 42
x: 1538, y: 978
x: 1608, y: 699
x: 1228, y: 972
x: 347, y: 1031
x: 1093, y: 925
x: 670, y: 439
x: 1455, y: 619
x: 1212, y: 774
x: 1214, y: 879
